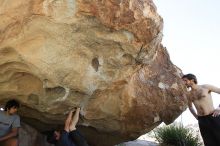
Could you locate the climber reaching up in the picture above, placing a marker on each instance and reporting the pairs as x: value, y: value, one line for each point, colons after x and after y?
x: 69, y: 136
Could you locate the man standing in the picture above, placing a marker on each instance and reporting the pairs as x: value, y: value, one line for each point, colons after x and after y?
x: 207, y: 116
x: 9, y: 124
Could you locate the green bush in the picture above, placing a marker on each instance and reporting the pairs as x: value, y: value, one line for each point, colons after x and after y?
x: 176, y: 135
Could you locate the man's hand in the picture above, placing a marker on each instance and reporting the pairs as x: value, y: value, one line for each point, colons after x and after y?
x: 216, y: 112
x: 13, y: 133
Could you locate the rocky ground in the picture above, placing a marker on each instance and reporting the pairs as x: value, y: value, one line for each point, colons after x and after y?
x: 139, y: 143
x: 149, y: 140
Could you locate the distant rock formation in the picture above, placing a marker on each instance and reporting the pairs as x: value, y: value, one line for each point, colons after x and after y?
x: 102, y: 55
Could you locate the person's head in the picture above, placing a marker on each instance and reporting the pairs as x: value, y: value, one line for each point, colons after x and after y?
x: 12, y: 106
x: 53, y: 136
x: 189, y: 80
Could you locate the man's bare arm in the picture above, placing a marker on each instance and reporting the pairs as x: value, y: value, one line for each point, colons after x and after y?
x: 68, y: 120
x: 212, y: 88
x: 74, y: 120
x: 13, y: 133
x: 192, y: 110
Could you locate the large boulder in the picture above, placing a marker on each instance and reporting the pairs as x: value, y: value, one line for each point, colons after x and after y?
x: 102, y: 55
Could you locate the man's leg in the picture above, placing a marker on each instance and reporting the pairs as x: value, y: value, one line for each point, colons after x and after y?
x: 216, y: 129
x: 11, y: 142
x: 206, y: 132
x: 1, y: 143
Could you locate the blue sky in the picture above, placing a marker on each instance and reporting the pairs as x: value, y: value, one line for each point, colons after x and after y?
x: 191, y: 36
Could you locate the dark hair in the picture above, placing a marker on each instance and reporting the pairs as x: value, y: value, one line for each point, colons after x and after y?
x: 12, y: 103
x: 190, y: 77
x: 51, y: 137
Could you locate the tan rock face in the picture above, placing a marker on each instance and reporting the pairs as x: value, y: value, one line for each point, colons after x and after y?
x: 105, y: 56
